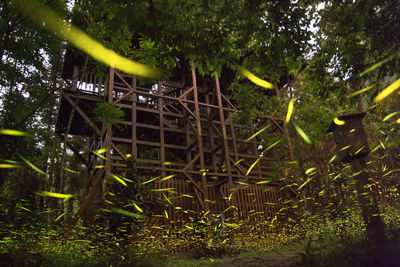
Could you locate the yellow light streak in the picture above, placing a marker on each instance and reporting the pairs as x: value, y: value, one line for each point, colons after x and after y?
x: 332, y: 159
x: 362, y: 90
x: 376, y: 65
x: 119, y: 180
x: 137, y: 207
x: 252, y: 166
x: 167, y: 178
x: 151, y: 180
x: 310, y: 170
x: 59, y: 217
x: 344, y: 148
x: 241, y: 183
x: 237, y: 162
x: 71, y: 171
x: 255, y: 79
x: 359, y: 150
x: 257, y: 133
x: 166, y: 198
x: 339, y: 122
x: 302, y: 134
x: 13, y: 132
x: 271, y: 146
x: 264, y: 182
x: 390, y: 89
x: 31, y: 165
x: 8, y: 166
x: 45, y: 17
x: 306, y: 182
x: 390, y: 116
x: 55, y: 195
x: 290, y: 110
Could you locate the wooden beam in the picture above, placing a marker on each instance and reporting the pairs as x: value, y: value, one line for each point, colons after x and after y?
x: 84, y: 116
x: 74, y: 149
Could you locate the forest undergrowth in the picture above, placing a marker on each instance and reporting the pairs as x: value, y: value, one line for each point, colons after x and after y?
x: 320, y: 239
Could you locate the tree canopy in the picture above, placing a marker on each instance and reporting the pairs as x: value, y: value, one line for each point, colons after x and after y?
x: 323, y: 58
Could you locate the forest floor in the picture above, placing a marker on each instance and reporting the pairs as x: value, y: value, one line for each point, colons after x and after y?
x: 328, y: 254
x: 284, y: 256
x: 305, y: 253
x: 260, y: 261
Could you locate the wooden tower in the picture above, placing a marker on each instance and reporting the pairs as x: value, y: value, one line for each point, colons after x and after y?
x: 184, y: 128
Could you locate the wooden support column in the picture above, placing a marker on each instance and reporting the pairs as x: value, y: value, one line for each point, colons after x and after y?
x: 109, y: 126
x: 187, y: 126
x: 211, y: 136
x: 198, y: 120
x: 134, y: 119
x: 234, y: 142
x: 222, y: 119
x: 255, y: 152
x: 161, y: 116
x: 199, y: 138
x: 75, y: 78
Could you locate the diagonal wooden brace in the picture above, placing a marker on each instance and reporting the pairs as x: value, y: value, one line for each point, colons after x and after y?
x: 84, y: 116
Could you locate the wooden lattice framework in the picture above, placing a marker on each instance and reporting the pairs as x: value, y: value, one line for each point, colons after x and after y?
x: 188, y: 124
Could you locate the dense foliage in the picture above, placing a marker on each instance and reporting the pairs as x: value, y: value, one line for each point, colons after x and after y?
x: 319, y: 54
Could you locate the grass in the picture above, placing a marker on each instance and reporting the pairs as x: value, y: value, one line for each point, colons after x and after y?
x: 311, y: 253
x: 323, y: 242
x: 290, y: 249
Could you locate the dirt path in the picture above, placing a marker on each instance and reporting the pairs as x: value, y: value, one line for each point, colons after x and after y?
x: 260, y: 261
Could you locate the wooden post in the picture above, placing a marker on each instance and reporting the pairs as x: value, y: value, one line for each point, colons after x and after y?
x: 109, y: 126
x: 367, y: 200
x: 225, y: 141
x: 200, y: 141
x: 352, y: 146
x: 222, y: 119
x: 75, y: 78
x: 211, y: 135
x: 161, y: 124
x: 134, y: 111
x: 198, y: 120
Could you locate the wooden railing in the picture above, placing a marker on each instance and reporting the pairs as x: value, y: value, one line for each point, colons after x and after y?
x: 88, y: 82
